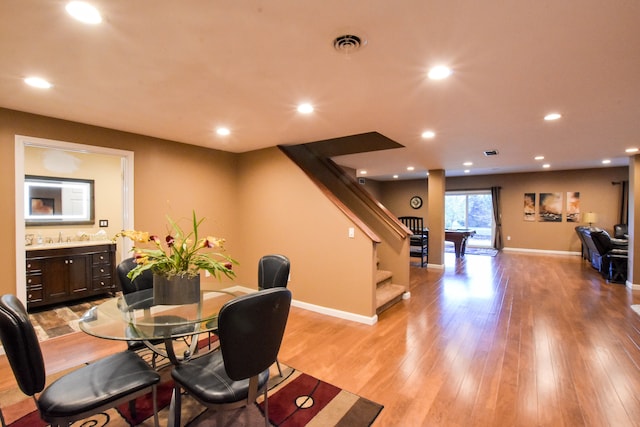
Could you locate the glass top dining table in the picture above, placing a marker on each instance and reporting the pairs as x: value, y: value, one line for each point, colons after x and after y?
x: 135, y: 317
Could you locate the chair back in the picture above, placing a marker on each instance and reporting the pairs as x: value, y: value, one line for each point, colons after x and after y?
x: 413, y: 223
x: 21, y: 345
x: 620, y: 231
x: 143, y: 281
x: 273, y: 271
x: 250, y: 329
x: 602, y: 241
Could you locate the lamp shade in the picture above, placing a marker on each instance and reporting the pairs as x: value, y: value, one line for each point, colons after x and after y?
x: 589, y: 217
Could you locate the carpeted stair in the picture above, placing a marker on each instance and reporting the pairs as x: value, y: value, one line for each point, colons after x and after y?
x: 387, y: 293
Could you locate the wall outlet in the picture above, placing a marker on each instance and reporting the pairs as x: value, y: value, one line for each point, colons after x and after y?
x: 352, y: 232
x: 104, y: 223
x: 508, y: 237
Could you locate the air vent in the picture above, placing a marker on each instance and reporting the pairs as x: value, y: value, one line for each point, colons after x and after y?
x: 348, y: 43
x: 491, y: 153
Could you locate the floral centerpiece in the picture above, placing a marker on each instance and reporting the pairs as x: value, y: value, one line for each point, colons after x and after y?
x: 181, y: 255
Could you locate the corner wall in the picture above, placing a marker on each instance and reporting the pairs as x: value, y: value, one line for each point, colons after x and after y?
x: 282, y: 211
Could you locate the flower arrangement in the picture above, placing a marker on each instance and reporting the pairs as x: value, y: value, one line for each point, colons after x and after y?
x: 182, y: 254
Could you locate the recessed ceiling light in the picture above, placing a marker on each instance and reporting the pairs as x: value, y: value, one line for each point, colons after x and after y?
x: 37, y: 82
x: 631, y: 150
x: 439, y: 72
x: 410, y: 168
x: 552, y: 116
x: 538, y: 158
x: 467, y: 164
x: 395, y: 176
x: 84, y: 12
x: 606, y: 161
x: 305, y: 108
x: 428, y: 134
x: 223, y: 131
x: 363, y: 172
x: 467, y: 171
x: 546, y: 166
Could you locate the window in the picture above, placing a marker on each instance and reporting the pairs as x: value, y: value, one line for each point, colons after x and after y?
x: 470, y: 209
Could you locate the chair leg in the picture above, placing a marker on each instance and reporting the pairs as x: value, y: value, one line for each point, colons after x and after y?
x: 132, y: 408
x: 175, y: 407
x: 279, y: 370
x: 154, y: 395
x: 266, y: 406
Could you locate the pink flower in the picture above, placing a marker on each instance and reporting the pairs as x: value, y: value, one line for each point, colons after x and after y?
x: 228, y: 266
x: 170, y: 240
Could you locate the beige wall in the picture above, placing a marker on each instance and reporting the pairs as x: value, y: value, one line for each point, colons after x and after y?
x: 282, y: 211
x: 170, y: 178
x: 259, y: 202
x: 105, y: 170
x: 597, y: 194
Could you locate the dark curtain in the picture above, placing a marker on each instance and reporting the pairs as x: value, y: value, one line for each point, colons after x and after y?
x: 497, y: 215
x: 624, y: 203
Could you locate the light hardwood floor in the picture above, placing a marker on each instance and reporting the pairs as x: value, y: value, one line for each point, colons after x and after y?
x: 515, y: 340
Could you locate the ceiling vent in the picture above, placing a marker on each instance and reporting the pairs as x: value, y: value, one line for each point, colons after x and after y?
x: 491, y: 153
x: 348, y: 43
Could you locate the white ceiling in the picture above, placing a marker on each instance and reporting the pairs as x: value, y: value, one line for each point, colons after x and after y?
x: 177, y: 69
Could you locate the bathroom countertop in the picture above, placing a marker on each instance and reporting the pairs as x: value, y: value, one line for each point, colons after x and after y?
x: 59, y: 245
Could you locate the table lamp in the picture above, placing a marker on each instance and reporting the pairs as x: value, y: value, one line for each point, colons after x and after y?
x: 590, y: 217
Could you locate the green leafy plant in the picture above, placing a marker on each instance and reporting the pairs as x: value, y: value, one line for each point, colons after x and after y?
x: 180, y: 254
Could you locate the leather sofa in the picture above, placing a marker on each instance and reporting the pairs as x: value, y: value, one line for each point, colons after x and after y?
x: 606, y: 254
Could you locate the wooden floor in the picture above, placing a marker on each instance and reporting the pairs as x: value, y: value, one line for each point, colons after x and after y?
x: 512, y: 340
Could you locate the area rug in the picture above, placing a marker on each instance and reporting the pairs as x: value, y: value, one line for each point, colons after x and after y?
x: 473, y: 251
x: 295, y: 399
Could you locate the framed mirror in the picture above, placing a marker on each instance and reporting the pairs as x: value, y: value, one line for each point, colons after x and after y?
x: 63, y: 201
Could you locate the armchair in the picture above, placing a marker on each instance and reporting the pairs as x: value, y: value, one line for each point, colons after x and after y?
x: 613, y: 256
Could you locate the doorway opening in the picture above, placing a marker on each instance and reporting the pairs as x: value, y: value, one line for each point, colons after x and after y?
x: 125, y: 190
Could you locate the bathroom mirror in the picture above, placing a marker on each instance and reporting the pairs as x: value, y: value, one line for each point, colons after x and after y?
x: 50, y: 200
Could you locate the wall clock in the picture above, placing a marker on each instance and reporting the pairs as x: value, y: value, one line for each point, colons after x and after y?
x: 416, y: 202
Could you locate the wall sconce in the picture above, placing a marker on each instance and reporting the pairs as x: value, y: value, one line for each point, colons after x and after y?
x: 590, y: 217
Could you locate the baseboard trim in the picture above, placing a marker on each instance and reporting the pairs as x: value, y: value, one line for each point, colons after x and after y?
x: 542, y: 251
x: 319, y: 309
x: 632, y: 286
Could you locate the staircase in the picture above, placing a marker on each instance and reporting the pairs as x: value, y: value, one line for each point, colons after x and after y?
x: 387, y: 293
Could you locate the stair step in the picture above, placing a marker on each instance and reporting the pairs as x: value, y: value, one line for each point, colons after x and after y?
x: 382, y: 276
x: 387, y: 295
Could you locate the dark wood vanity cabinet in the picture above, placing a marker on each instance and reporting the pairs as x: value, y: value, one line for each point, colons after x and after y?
x: 65, y: 274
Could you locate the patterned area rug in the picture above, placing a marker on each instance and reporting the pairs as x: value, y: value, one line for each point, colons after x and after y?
x: 473, y: 251
x: 295, y: 399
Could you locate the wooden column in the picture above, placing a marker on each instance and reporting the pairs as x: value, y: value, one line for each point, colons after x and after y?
x: 435, y: 216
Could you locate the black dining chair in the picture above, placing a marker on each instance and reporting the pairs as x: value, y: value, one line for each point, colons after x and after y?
x: 273, y: 271
x: 87, y: 391
x: 143, y: 282
x: 250, y: 329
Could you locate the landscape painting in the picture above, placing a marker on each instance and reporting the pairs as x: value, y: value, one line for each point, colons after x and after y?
x: 573, y: 206
x: 550, y: 207
x: 529, y: 206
